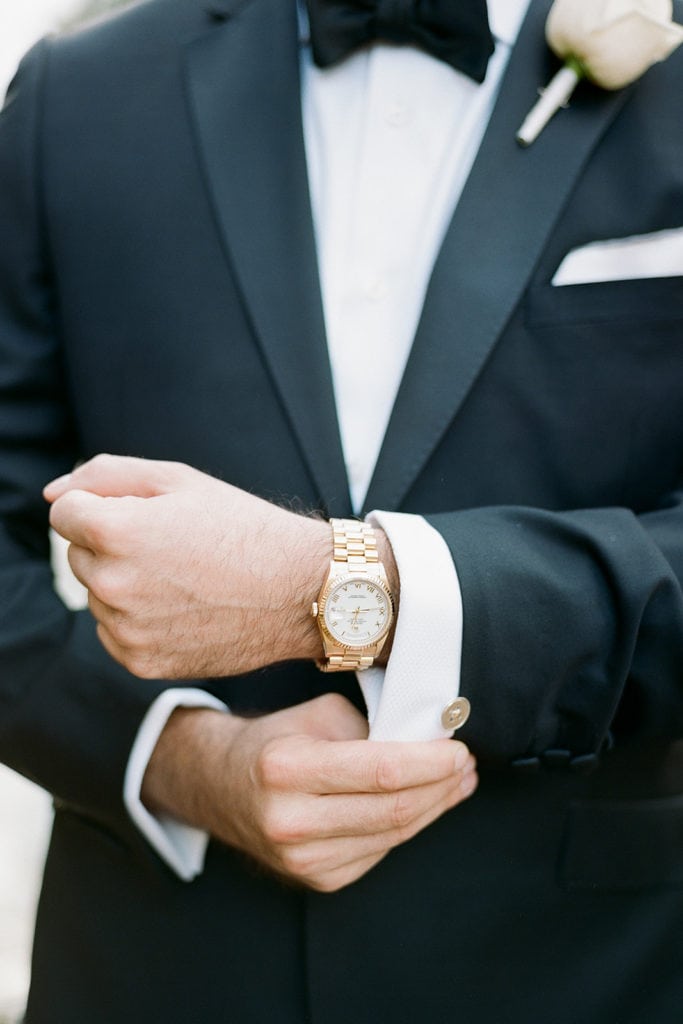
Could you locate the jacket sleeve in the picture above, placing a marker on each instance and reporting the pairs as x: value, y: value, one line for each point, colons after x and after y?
x: 68, y: 712
x: 573, y: 628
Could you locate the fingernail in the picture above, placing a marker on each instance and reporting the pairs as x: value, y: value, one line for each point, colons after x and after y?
x: 461, y: 756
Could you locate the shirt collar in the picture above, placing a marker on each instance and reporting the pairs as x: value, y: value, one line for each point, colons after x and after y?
x: 506, y: 17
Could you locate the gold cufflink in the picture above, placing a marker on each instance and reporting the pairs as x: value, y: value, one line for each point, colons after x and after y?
x: 455, y: 714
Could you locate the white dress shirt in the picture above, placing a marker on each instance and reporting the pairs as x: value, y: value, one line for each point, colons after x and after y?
x: 390, y: 135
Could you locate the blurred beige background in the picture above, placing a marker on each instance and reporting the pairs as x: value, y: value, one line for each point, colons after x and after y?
x: 24, y: 808
x: 24, y: 21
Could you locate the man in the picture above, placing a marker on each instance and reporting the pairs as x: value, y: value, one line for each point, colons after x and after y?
x: 161, y: 299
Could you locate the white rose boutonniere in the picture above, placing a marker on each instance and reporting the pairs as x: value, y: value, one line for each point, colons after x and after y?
x: 609, y: 42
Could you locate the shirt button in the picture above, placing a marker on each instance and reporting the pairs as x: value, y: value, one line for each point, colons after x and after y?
x: 377, y: 289
x: 455, y: 714
x: 397, y: 114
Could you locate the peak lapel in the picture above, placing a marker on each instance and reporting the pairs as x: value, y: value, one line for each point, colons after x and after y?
x: 512, y: 198
x: 244, y: 92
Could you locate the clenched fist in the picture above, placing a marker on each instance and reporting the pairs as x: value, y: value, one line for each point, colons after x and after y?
x: 187, y: 576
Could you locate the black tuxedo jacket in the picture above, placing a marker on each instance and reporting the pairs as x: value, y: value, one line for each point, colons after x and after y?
x: 159, y: 296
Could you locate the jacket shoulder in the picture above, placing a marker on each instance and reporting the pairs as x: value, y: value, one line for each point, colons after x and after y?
x: 142, y: 29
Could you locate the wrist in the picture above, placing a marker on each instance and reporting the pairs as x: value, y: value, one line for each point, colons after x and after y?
x: 306, y: 550
x: 187, y: 755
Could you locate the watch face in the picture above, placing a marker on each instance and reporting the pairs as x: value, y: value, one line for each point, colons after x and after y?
x: 357, y: 612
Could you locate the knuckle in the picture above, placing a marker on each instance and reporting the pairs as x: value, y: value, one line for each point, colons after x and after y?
x: 333, y: 880
x: 299, y: 863
x: 327, y: 884
x: 78, y: 561
x: 99, y: 533
x: 103, y: 460
x: 140, y: 664
x: 468, y: 787
x: 125, y: 634
x: 183, y: 472
x: 387, y: 773
x: 108, y: 586
x: 272, y: 826
x: 274, y: 765
x: 118, y: 525
x: 281, y: 828
x: 401, y: 813
x: 333, y: 703
x: 173, y: 475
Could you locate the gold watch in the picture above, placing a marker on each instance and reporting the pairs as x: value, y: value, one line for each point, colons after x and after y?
x: 355, y: 609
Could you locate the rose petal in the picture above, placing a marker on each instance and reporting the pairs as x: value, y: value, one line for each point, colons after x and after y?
x: 621, y: 52
x: 571, y: 23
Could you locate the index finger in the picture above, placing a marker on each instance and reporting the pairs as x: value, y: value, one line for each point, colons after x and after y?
x: 77, y: 517
x: 357, y: 766
x: 119, y: 476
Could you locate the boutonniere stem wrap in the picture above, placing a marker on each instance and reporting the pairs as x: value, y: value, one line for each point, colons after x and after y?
x: 609, y: 42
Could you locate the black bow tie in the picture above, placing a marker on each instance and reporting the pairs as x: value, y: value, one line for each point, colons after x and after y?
x: 455, y: 31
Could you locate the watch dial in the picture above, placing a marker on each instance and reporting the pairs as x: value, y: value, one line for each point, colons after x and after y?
x: 357, y: 612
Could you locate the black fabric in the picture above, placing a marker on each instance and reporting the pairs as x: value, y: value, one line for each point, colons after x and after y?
x: 625, y: 843
x: 159, y: 297
x: 457, y: 33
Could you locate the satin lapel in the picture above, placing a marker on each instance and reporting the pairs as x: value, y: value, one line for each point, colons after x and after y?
x: 245, y: 99
x: 512, y: 198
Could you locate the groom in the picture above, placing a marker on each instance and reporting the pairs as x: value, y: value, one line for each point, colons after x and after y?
x: 338, y: 289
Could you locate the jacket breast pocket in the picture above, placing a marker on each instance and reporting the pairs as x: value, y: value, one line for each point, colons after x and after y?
x: 617, y: 844
x: 642, y: 301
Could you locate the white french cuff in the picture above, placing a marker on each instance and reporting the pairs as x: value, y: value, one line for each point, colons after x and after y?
x: 181, y: 846
x: 406, y: 700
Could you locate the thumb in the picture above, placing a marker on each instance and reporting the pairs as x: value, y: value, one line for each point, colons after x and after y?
x: 117, y: 476
x: 332, y: 717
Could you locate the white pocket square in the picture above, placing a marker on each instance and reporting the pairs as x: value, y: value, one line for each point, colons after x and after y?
x: 659, y: 254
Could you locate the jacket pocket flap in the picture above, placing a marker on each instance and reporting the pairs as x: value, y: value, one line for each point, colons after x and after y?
x: 616, y: 844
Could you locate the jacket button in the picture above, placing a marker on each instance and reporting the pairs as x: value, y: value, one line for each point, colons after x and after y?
x: 455, y: 714
x: 584, y: 764
x: 556, y: 758
x: 526, y: 765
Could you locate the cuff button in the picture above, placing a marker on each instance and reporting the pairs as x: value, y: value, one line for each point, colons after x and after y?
x: 455, y: 714
x: 556, y: 758
x: 584, y: 764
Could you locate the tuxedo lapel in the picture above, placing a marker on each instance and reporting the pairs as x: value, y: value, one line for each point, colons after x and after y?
x: 511, y: 201
x: 245, y: 101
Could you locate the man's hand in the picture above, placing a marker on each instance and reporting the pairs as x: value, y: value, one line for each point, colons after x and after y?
x: 189, y: 577
x: 300, y: 790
